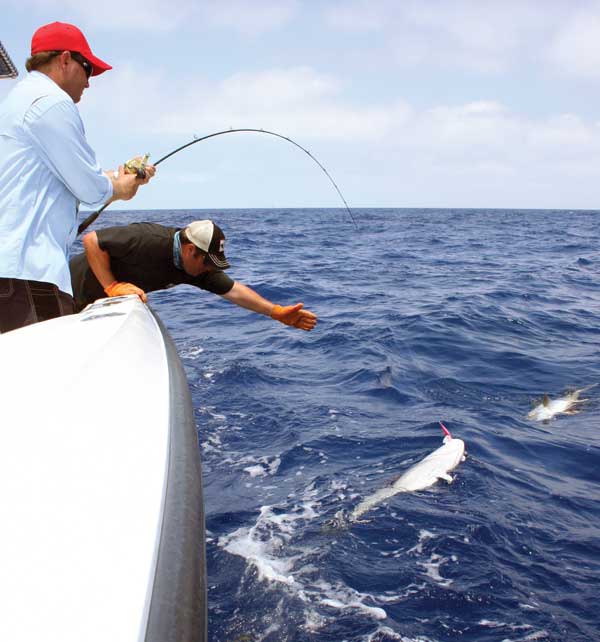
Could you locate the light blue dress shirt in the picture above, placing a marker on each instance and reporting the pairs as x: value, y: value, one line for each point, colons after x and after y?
x: 46, y: 169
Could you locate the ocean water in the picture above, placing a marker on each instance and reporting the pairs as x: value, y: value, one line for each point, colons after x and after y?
x: 461, y: 316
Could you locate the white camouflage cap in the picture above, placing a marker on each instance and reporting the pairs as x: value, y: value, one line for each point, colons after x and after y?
x: 208, y: 237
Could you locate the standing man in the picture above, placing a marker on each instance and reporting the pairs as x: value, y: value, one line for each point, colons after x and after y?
x: 143, y: 257
x: 46, y: 169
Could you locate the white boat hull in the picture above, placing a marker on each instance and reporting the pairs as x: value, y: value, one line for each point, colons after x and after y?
x: 102, y: 534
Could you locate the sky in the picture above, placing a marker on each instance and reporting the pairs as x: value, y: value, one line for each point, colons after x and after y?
x: 406, y: 103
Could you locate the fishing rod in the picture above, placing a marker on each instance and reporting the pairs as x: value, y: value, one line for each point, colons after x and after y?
x: 92, y: 217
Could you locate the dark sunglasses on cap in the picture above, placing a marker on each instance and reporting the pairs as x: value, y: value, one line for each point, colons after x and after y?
x: 87, y: 67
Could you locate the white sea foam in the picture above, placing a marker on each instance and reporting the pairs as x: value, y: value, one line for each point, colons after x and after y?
x: 530, y: 637
x: 257, y: 553
x: 537, y: 635
x: 385, y: 633
x: 208, y: 448
x: 268, y: 548
x: 340, y: 597
x: 432, y: 569
x: 210, y: 411
x: 213, y: 442
x: 373, y: 611
x: 411, y: 589
x: 261, y: 544
x: 530, y: 607
x: 424, y: 535
x: 262, y: 466
x: 255, y: 471
x: 191, y: 353
x: 314, y: 621
x: 496, y: 624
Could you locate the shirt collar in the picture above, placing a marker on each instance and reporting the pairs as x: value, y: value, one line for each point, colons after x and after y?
x: 40, y: 78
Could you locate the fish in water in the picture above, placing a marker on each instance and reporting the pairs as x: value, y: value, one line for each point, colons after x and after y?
x: 565, y: 405
x: 425, y: 473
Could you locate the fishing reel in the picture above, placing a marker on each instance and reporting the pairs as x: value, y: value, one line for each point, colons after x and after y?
x: 137, y: 166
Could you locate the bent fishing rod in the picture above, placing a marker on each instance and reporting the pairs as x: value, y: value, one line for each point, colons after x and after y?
x: 92, y: 217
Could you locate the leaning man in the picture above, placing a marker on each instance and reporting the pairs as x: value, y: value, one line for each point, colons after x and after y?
x: 46, y: 169
x: 144, y: 257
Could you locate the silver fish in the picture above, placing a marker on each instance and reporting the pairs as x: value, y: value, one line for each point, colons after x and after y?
x: 437, y: 465
x: 565, y: 405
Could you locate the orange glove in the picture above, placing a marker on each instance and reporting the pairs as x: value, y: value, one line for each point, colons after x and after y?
x: 294, y: 315
x: 121, y: 288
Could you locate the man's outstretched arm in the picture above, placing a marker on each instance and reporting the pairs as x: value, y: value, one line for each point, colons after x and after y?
x: 294, y: 315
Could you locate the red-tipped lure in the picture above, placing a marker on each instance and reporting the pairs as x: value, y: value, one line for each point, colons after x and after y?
x: 446, y: 431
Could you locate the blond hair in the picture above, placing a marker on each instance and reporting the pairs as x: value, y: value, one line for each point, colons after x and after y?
x: 39, y: 60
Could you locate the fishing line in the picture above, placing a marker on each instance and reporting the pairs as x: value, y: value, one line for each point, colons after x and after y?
x: 92, y: 217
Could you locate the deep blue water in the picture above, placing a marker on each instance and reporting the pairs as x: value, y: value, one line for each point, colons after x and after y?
x: 456, y: 315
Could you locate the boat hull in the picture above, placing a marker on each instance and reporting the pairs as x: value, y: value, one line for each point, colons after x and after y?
x: 100, y: 482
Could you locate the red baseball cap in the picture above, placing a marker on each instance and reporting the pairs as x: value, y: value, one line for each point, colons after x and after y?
x: 61, y: 36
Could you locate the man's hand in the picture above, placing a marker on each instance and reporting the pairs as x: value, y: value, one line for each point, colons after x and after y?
x: 120, y: 288
x: 294, y: 315
x: 125, y: 184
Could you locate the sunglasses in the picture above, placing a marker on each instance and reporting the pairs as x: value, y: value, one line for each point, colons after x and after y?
x: 87, y: 67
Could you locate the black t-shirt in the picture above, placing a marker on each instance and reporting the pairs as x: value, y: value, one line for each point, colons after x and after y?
x: 142, y: 254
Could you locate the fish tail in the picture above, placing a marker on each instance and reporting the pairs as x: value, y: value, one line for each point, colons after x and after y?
x: 575, y: 394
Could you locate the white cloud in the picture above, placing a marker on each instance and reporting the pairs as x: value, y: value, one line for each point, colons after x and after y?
x: 152, y: 16
x: 250, y: 18
x: 485, y: 36
x: 278, y: 87
x: 436, y: 128
x: 566, y: 135
x: 156, y: 16
x: 304, y: 104
x: 295, y: 102
x: 576, y: 47
x: 488, y: 135
x: 484, y: 125
x: 362, y: 16
x: 481, y: 35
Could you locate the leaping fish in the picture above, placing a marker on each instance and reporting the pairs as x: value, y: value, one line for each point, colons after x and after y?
x: 425, y: 473
x: 548, y: 408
